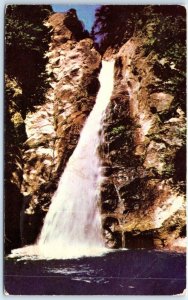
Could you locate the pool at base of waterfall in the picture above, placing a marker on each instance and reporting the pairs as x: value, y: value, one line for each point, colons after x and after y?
x: 130, y: 272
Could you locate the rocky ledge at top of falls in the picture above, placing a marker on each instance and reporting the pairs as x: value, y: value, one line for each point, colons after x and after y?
x: 53, y: 129
x: 143, y: 153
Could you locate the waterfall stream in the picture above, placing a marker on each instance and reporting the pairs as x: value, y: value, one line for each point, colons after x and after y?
x: 72, y: 227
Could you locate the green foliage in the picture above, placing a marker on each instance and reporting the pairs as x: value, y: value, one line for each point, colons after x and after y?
x: 163, y: 29
x: 24, y: 26
x: 166, y: 36
x: 26, y: 40
x: 169, y: 170
x: 118, y: 130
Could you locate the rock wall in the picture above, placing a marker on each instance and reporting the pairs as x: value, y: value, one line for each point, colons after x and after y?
x: 143, y: 153
x: 53, y: 129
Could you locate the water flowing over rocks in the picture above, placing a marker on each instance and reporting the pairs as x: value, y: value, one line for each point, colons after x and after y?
x: 143, y: 195
x: 73, y: 222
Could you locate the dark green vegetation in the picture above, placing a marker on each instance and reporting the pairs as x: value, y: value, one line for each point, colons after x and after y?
x: 163, y: 29
x: 115, y: 24
x: 26, y: 40
x: 166, y: 35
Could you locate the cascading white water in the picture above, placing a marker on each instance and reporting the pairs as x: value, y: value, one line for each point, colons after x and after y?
x: 72, y: 227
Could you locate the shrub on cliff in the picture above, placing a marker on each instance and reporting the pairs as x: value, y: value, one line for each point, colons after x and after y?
x: 165, y: 31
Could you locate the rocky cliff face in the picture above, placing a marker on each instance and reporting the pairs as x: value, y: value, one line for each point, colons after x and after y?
x: 53, y: 129
x: 142, y: 196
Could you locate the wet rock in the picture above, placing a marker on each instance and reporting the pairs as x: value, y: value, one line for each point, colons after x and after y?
x: 109, y: 197
x: 113, y: 238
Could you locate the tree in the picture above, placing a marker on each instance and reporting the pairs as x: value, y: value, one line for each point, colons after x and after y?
x: 163, y: 29
x: 26, y: 40
x: 115, y: 24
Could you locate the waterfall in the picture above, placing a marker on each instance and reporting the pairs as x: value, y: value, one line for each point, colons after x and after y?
x: 72, y: 227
